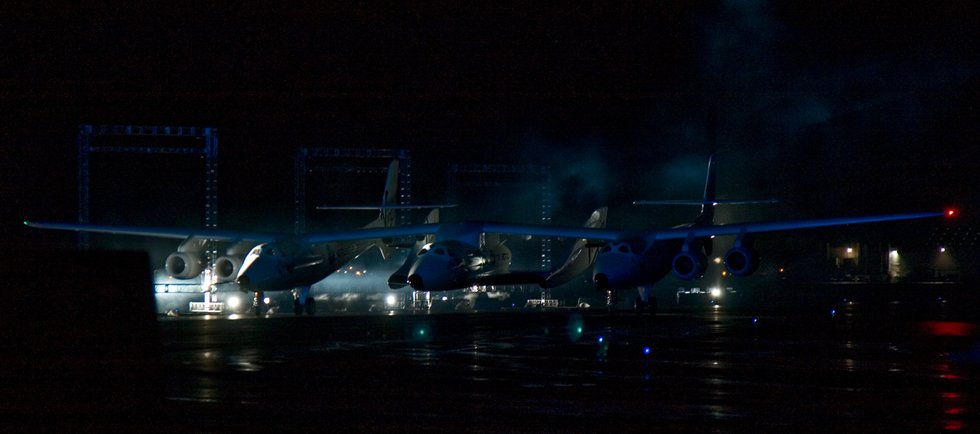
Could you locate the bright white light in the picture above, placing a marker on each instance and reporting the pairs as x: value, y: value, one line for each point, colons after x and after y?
x: 850, y: 250
x: 718, y: 260
x: 942, y: 250
x: 893, y: 253
x: 390, y: 300
x: 234, y: 302
x: 444, y: 298
x: 716, y: 292
x: 267, y: 300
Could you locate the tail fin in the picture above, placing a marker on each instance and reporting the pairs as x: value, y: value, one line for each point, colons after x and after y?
x: 707, y: 215
x: 583, y: 253
x: 430, y: 219
x: 386, y: 218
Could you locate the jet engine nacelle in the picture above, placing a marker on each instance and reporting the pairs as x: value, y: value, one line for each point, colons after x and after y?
x: 689, y: 265
x: 741, y: 261
x: 226, y: 267
x: 185, y: 265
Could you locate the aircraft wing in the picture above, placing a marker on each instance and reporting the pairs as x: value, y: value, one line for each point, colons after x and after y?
x: 697, y: 231
x: 177, y: 233
x: 774, y: 226
x: 460, y: 231
x: 475, y: 227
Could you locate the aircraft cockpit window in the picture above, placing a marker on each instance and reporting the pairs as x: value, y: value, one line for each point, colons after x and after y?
x: 624, y: 249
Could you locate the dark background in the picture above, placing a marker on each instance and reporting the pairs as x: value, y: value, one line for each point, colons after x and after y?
x: 837, y: 108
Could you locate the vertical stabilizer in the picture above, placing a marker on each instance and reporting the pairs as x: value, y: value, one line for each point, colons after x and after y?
x: 707, y: 215
x: 431, y: 219
x: 387, y: 218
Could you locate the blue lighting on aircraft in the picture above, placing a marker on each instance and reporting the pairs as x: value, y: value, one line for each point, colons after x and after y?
x: 755, y: 320
x: 646, y: 351
x: 833, y: 312
x: 600, y: 339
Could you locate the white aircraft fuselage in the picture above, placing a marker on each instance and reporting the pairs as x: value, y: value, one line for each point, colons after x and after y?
x: 451, y: 264
x: 279, y: 266
x: 632, y: 263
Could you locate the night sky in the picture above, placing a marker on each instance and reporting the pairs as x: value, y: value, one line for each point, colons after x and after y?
x: 840, y: 108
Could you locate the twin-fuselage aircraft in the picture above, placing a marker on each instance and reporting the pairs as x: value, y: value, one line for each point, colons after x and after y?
x: 460, y: 255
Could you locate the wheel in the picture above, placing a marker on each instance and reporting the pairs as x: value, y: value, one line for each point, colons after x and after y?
x: 639, y: 306
x: 257, y: 302
x: 310, y: 306
x: 297, y: 308
x: 612, y: 297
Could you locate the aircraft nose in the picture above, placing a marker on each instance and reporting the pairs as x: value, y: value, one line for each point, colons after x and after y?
x: 244, y: 283
x: 415, y: 281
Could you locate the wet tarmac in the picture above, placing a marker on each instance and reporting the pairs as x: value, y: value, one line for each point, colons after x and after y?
x: 851, y: 368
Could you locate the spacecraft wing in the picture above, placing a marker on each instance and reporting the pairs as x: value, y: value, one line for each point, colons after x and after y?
x: 176, y: 233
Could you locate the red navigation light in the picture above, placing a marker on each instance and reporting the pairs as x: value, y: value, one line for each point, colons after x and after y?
x: 950, y: 212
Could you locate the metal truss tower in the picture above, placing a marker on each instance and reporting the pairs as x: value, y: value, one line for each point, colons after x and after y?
x: 490, y: 175
x: 302, y: 166
x: 88, y: 143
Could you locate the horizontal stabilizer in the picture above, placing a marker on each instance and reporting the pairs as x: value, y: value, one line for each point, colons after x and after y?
x: 377, y: 207
x: 702, y: 202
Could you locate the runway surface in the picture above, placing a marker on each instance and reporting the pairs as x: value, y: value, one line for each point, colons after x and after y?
x: 853, y: 368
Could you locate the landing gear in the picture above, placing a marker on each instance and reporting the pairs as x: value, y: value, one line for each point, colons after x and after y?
x: 309, y: 307
x: 303, y: 302
x: 645, y: 301
x: 257, y: 301
x: 642, y: 307
x: 612, y: 298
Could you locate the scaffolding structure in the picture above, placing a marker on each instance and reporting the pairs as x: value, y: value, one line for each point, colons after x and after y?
x: 87, y: 140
